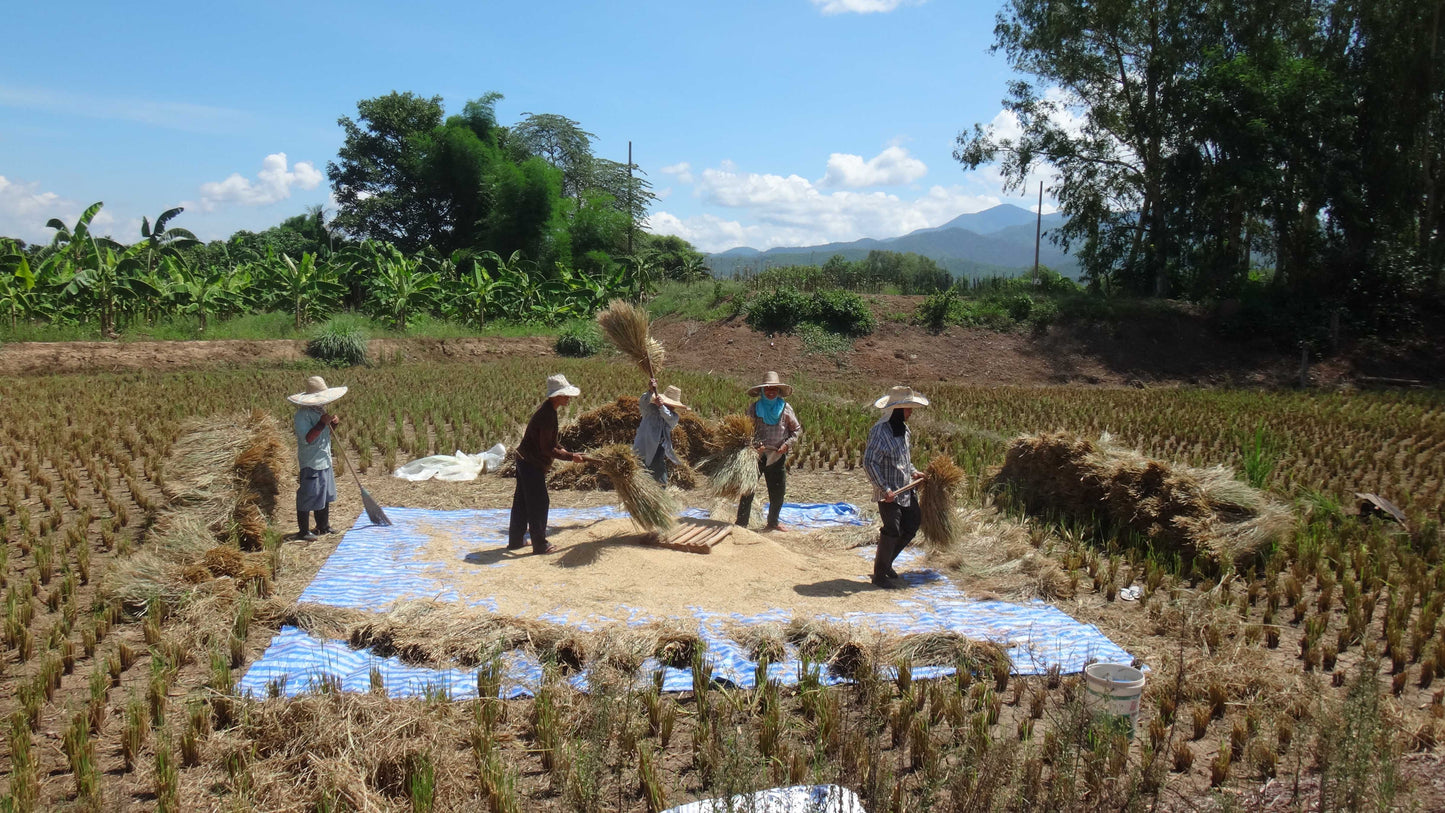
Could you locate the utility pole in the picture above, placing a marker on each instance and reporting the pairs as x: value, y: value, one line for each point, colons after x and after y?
x: 630, y: 222
x: 1038, y: 232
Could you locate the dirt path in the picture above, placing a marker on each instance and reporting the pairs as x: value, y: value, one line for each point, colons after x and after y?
x: 44, y: 358
x: 1142, y: 353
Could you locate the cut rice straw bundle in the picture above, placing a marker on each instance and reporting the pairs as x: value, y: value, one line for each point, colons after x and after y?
x: 641, y: 496
x: 625, y: 327
x: 732, y: 471
x: 936, y: 496
x: 952, y: 649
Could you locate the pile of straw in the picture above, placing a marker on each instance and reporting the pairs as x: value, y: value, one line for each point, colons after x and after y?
x: 732, y: 470
x: 935, y: 502
x: 1200, y: 513
x: 226, y: 471
x: 626, y: 327
x: 617, y: 423
x: 651, y: 507
x: 951, y: 649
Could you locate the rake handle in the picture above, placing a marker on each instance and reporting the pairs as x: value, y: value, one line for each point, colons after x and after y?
x: 909, y: 487
x: 341, y: 448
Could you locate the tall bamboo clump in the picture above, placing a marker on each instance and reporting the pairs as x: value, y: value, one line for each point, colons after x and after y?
x: 644, y: 498
x: 936, y: 502
x: 732, y: 470
x: 626, y: 327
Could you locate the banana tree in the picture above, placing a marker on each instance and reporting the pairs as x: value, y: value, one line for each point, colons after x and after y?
x: 306, y: 286
x: 198, y: 291
x: 16, y: 281
x: 109, y: 283
x: 161, y: 241
x: 399, y: 285
x: 474, y: 294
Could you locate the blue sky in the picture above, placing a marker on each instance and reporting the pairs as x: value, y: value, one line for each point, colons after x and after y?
x: 787, y: 122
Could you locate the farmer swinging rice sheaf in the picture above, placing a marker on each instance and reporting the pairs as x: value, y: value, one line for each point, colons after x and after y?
x: 539, y: 447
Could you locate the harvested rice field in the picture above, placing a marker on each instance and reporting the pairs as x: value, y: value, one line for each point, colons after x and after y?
x: 1292, y: 642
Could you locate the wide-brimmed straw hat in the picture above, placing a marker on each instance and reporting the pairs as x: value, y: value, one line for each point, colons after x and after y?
x: 770, y: 379
x: 559, y: 385
x: 317, y: 393
x: 901, y: 397
x: 672, y: 396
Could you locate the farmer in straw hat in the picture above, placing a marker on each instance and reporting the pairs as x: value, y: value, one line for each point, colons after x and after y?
x: 888, y: 462
x: 534, y: 457
x: 316, y: 488
x: 775, y: 430
x: 653, y: 442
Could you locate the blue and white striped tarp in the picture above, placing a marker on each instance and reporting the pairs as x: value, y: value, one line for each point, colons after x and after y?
x: 374, y: 567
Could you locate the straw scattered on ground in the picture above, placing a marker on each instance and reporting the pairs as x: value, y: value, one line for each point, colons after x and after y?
x: 606, y: 568
x: 1200, y: 513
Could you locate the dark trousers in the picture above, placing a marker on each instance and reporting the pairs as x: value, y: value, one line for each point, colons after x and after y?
x: 529, y: 507
x: 658, y: 466
x: 776, y: 477
x: 900, y: 525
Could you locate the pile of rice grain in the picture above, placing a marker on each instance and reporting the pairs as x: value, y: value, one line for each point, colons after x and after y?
x: 1201, y: 513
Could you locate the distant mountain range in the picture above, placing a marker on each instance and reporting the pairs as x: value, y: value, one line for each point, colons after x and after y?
x: 997, y: 241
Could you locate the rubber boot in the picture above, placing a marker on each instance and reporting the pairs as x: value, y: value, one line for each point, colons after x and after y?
x: 881, y: 560
x: 898, y: 546
x: 301, y: 522
x: 323, y: 522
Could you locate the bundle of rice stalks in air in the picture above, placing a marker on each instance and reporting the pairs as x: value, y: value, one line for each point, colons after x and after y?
x: 641, y: 496
x: 732, y: 470
x: 626, y: 328
x: 935, y: 502
x: 1200, y: 513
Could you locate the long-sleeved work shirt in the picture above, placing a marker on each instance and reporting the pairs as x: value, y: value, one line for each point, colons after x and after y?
x: 539, y: 442
x: 888, y: 462
x: 775, y: 435
x: 655, y: 429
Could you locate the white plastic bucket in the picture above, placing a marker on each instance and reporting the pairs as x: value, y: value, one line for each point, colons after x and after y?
x: 1114, y: 690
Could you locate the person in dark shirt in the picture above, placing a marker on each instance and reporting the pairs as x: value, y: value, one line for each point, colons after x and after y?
x: 535, y: 454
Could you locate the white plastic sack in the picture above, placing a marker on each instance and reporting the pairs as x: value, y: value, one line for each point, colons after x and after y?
x: 452, y: 468
x: 795, y: 799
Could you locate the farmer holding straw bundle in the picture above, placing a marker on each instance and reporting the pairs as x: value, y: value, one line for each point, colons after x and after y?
x: 888, y: 462
x: 653, y: 442
x: 316, y: 485
x: 775, y: 430
x: 535, y: 454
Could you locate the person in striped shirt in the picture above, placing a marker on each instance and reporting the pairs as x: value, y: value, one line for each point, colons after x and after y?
x: 775, y: 431
x: 888, y: 463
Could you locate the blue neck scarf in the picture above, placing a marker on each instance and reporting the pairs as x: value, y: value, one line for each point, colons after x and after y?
x: 770, y: 410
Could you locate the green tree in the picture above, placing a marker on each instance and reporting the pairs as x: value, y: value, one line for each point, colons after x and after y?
x: 381, y: 161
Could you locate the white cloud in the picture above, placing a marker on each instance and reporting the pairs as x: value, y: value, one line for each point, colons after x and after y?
x: 273, y: 183
x: 24, y: 211
x: 888, y: 168
x: 682, y: 171
x: 792, y: 211
x: 862, y: 6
